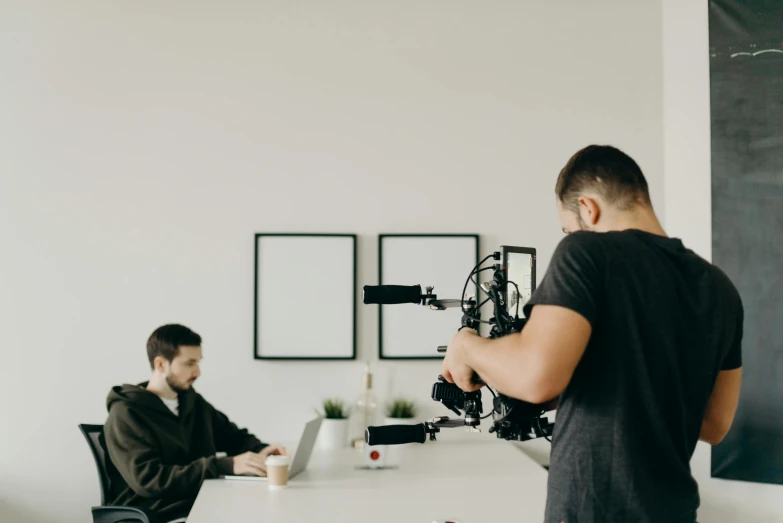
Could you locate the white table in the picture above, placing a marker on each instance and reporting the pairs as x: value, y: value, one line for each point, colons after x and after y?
x: 468, y: 482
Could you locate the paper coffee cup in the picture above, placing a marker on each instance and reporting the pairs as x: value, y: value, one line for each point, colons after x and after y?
x: 277, y: 471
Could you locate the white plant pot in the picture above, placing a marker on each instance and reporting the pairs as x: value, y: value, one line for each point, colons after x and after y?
x: 333, y: 434
x: 399, y: 421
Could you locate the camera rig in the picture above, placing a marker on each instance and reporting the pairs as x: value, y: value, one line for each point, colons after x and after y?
x: 512, y: 419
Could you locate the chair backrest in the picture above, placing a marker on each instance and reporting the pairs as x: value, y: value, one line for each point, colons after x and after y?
x: 94, y: 436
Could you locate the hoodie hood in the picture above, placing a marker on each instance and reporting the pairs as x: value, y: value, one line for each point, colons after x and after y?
x: 139, y: 398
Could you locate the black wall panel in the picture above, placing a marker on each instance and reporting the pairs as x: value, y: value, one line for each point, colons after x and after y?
x: 746, y: 84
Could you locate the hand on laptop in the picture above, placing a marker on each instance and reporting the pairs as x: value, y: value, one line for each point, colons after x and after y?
x: 249, y: 463
x: 273, y: 450
x: 255, y: 462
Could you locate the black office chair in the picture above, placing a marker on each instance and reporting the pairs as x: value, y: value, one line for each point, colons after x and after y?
x: 110, y: 514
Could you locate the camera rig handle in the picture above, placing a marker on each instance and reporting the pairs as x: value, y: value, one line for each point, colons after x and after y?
x: 455, y: 400
x: 404, y: 434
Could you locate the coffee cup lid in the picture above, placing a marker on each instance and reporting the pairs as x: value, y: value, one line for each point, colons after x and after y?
x: 275, y: 460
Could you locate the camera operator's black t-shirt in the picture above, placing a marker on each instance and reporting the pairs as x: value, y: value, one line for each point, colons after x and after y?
x: 664, y: 322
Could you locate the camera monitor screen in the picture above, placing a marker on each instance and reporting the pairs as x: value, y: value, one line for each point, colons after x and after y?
x: 519, y: 263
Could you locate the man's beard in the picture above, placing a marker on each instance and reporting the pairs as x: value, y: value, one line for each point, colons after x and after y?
x: 178, y: 387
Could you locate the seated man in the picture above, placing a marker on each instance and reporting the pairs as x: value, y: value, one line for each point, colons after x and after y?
x: 162, y: 436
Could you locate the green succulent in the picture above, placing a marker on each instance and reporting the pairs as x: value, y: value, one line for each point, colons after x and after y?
x: 334, y: 408
x: 401, y: 408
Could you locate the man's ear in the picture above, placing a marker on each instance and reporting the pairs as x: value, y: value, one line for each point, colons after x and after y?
x: 159, y: 364
x: 589, y: 211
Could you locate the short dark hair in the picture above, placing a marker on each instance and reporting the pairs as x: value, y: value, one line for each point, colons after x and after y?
x: 167, y: 340
x: 607, y: 170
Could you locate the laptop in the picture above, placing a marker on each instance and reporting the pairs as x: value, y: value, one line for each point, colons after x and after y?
x: 301, y: 456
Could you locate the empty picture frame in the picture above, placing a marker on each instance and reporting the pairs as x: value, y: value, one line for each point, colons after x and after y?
x: 305, y: 297
x: 444, y: 261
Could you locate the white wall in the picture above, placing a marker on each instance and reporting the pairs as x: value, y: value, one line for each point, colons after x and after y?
x: 687, y: 189
x: 686, y: 124
x: 142, y: 144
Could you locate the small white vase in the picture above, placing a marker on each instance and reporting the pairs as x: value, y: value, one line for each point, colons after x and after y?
x: 333, y: 434
x: 399, y: 421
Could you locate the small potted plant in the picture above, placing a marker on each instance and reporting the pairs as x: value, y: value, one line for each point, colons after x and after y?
x: 400, y: 412
x: 333, y: 433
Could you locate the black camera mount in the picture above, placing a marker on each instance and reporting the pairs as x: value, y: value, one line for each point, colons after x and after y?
x: 512, y: 419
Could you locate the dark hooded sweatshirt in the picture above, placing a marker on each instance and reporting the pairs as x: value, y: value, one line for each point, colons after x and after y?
x: 160, y: 459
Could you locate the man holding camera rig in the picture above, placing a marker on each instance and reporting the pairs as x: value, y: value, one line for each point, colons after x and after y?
x: 639, y: 338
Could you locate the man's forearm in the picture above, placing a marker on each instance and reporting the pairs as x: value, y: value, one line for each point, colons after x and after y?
x: 534, y: 365
x: 505, y: 365
x: 710, y: 434
x: 150, y: 478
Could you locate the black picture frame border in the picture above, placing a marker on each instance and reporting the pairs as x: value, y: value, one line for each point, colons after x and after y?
x: 381, y: 237
x: 256, y: 355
